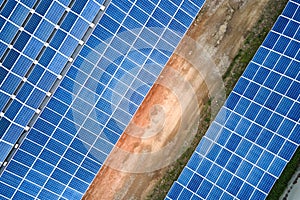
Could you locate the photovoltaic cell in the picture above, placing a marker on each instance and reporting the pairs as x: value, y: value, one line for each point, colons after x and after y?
x: 98, y: 67
x: 244, y: 151
x: 14, y: 59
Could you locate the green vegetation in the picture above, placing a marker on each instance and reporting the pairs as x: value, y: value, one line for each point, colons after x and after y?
x: 252, y: 42
x: 239, y: 64
x: 285, y: 177
x: 173, y: 171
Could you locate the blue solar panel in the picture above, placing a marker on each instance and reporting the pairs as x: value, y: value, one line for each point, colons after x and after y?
x: 27, y: 47
x: 256, y: 132
x: 98, y: 67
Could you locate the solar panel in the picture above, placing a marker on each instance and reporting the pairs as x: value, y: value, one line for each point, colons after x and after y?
x: 256, y: 132
x: 31, y: 61
x: 73, y: 73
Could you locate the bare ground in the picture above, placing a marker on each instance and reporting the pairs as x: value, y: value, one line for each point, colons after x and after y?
x: 220, y: 29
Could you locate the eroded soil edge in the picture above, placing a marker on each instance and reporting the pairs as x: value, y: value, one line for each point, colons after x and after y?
x: 220, y: 29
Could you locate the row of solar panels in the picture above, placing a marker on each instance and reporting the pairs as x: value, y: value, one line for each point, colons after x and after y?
x: 32, y: 57
x: 99, y: 79
x: 256, y: 132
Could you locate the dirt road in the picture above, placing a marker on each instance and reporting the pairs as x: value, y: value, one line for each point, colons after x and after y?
x: 219, y: 29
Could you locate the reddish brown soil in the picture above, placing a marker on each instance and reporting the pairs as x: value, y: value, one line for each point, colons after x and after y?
x: 220, y: 29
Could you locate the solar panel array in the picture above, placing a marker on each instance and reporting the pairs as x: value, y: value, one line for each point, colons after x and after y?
x: 72, y: 76
x: 257, y: 131
x: 37, y: 41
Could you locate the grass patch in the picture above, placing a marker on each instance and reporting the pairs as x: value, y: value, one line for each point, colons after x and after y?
x: 282, y: 183
x: 252, y: 42
x: 161, y: 189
